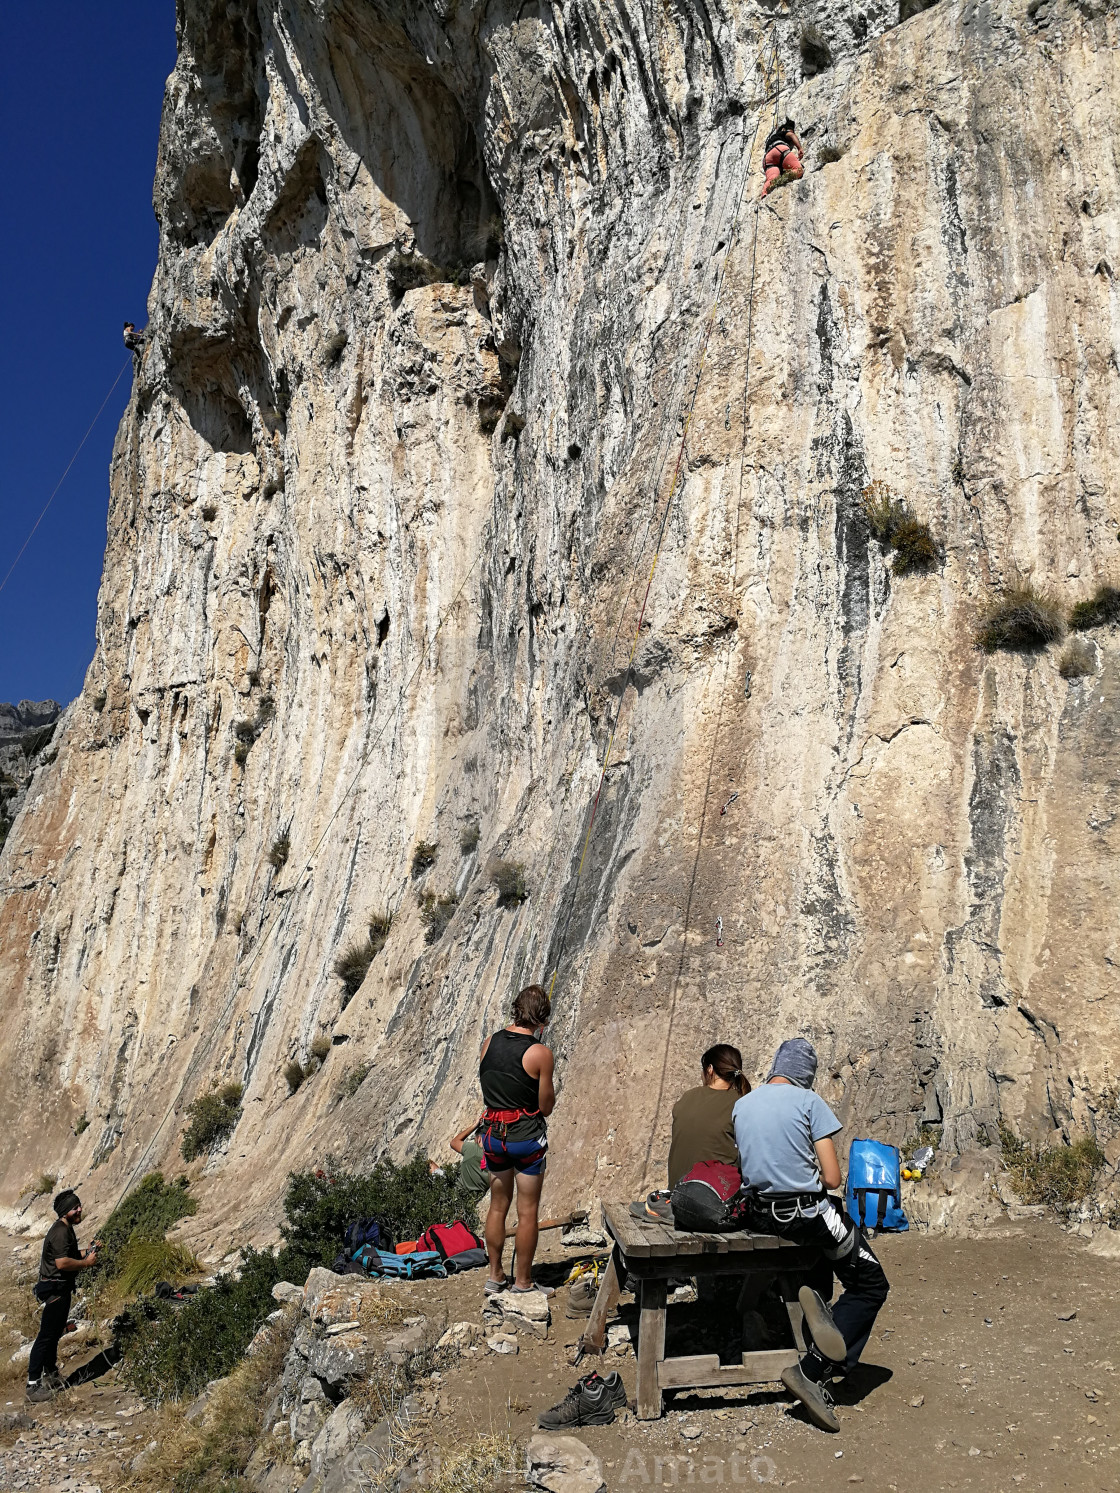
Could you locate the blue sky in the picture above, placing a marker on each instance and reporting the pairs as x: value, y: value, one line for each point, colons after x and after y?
x: 81, y: 86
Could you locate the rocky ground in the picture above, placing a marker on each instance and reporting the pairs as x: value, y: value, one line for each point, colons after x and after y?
x: 990, y: 1368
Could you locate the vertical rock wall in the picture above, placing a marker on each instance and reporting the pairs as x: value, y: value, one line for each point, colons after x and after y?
x: 433, y: 288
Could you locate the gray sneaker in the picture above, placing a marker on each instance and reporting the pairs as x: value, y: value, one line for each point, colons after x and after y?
x: 815, y: 1397
x: 616, y: 1390
x: 39, y: 1392
x: 827, y: 1336
x: 587, y: 1403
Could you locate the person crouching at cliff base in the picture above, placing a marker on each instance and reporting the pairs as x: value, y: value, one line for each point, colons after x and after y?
x: 783, y: 153
x: 515, y: 1071
x: 58, y: 1270
x: 784, y: 1133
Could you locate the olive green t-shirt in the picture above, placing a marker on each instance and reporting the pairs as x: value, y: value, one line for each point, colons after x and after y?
x: 702, y: 1130
x: 473, y: 1182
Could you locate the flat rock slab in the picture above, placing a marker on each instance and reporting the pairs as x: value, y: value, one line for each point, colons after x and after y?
x: 563, y: 1465
x: 519, y: 1312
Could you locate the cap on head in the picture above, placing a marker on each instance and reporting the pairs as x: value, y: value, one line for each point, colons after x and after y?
x: 795, y: 1060
x: 66, y: 1202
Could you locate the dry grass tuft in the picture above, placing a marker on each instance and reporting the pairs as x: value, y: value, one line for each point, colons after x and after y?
x: 436, y: 913
x: 280, y: 850
x: 914, y: 549
x: 320, y: 1048
x: 1102, y: 608
x: 469, y: 837
x: 143, y: 1262
x: 895, y: 527
x: 210, y: 1453
x: 424, y: 856
x: 1060, y: 1176
x: 353, y: 1079
x: 1078, y: 660
x: 1022, y: 620
x: 353, y: 966
x: 474, y: 1466
x: 293, y: 1075
x: 509, y: 878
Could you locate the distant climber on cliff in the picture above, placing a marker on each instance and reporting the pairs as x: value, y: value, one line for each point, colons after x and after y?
x: 783, y: 155
x: 135, y: 341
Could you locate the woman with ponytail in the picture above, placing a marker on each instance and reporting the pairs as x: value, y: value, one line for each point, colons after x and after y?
x: 702, y: 1128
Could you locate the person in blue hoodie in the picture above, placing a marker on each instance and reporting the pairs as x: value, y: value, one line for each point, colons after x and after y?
x: 784, y: 1133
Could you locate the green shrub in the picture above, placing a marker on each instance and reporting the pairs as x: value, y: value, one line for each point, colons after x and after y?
x: 424, y: 856
x: 280, y: 850
x: 1059, y: 1176
x: 1101, y: 608
x: 319, y: 1204
x: 509, y: 878
x: 147, y: 1212
x: 914, y: 549
x: 47, y: 1182
x: 469, y: 837
x: 212, y: 1118
x: 352, y: 966
x: 82, y: 1125
x: 171, y: 1353
x: 1078, y: 660
x: 436, y: 913
x: 353, y: 1079
x: 1022, y: 620
x: 294, y: 1075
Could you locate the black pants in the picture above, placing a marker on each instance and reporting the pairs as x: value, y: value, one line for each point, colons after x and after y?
x: 851, y: 1259
x: 52, y: 1325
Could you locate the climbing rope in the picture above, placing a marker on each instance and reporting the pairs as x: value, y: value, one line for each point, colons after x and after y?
x: 672, y: 492
x: 65, y: 474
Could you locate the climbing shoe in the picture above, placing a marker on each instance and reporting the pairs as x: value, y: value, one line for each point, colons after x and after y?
x: 39, y: 1392
x: 587, y: 1403
x: 815, y: 1397
x: 826, y: 1335
x: 654, y: 1208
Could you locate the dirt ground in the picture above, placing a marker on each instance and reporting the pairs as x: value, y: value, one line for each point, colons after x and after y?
x: 977, y: 1376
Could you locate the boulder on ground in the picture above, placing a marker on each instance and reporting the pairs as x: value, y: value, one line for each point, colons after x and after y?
x: 502, y: 1342
x: 284, y: 1291
x: 516, y: 1311
x: 459, y: 1336
x: 563, y: 1465
x: 330, y: 1298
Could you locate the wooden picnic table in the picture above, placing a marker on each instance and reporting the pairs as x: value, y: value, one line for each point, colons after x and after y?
x: 653, y: 1252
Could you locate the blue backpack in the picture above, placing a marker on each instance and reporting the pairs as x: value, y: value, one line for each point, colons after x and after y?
x: 361, y: 1231
x: 873, y: 1195
x: 392, y: 1266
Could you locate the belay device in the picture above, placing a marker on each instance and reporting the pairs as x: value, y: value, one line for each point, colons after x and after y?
x: 873, y: 1195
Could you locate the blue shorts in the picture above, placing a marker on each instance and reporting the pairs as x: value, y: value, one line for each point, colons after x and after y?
x: 499, y: 1154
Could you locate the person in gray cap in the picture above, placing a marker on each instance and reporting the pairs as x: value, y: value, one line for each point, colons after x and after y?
x: 784, y: 1133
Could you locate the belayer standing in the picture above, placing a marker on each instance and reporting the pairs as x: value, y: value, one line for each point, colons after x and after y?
x: 515, y: 1071
x: 783, y: 154
x: 788, y: 1158
x: 58, y: 1271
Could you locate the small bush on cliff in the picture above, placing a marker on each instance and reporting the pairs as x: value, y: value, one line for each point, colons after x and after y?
x: 895, y: 527
x: 1102, y: 608
x: 353, y: 966
x: 1022, y: 620
x: 279, y: 851
x: 212, y: 1118
x: 469, y: 837
x: 509, y: 878
x: 424, y: 856
x: 147, y: 1212
x: 293, y: 1075
x: 1060, y: 1176
x: 1078, y: 660
x: 435, y: 914
x: 319, y: 1204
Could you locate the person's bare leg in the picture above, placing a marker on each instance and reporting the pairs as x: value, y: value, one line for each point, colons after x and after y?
x: 528, y: 1206
x: 501, y: 1196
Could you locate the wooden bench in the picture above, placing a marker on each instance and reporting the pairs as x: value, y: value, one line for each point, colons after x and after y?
x: 652, y: 1253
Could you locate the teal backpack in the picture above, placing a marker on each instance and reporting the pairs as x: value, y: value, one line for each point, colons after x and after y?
x: 383, y: 1262
x: 873, y: 1195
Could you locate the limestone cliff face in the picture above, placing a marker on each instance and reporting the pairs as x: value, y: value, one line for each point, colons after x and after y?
x: 433, y: 286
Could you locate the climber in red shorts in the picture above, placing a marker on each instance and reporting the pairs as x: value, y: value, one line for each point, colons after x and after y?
x: 783, y: 154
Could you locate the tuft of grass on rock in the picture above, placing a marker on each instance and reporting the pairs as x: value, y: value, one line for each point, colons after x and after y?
x: 146, y: 1213
x: 1078, y: 660
x: 1102, y: 608
x: 293, y: 1075
x: 914, y: 549
x: 320, y: 1048
x: 353, y: 965
x: 436, y: 913
x: 212, y: 1118
x: 279, y: 851
x: 469, y: 837
x: 424, y: 856
x: 509, y: 878
x: 143, y: 1262
x: 1060, y: 1176
x: 889, y: 518
x: 81, y: 1125
x: 1022, y: 620
x: 353, y: 1079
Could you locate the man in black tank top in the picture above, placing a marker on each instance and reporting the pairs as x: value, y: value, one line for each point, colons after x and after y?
x: 515, y: 1071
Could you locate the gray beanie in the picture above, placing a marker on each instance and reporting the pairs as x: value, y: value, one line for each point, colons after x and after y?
x: 795, y: 1060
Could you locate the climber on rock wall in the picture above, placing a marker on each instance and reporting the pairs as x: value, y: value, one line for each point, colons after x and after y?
x: 782, y: 154
x: 133, y: 339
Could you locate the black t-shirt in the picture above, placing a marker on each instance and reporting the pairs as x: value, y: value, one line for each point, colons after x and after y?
x: 61, y: 1243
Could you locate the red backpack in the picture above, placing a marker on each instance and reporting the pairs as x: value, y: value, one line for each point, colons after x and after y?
x: 448, y: 1239
x: 705, y: 1199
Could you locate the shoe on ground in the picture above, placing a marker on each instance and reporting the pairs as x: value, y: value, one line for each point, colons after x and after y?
x: 587, y: 1403
x: 581, y: 1297
x: 815, y: 1397
x: 492, y: 1287
x: 612, y: 1383
x: 55, y: 1380
x: 826, y: 1335
x: 39, y: 1392
x: 654, y: 1208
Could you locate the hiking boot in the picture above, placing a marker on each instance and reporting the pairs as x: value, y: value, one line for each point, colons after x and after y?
x: 581, y: 1297
x: 587, y: 1403
x: 826, y: 1335
x: 654, y: 1207
x: 815, y: 1397
x: 616, y: 1390
x: 39, y: 1392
